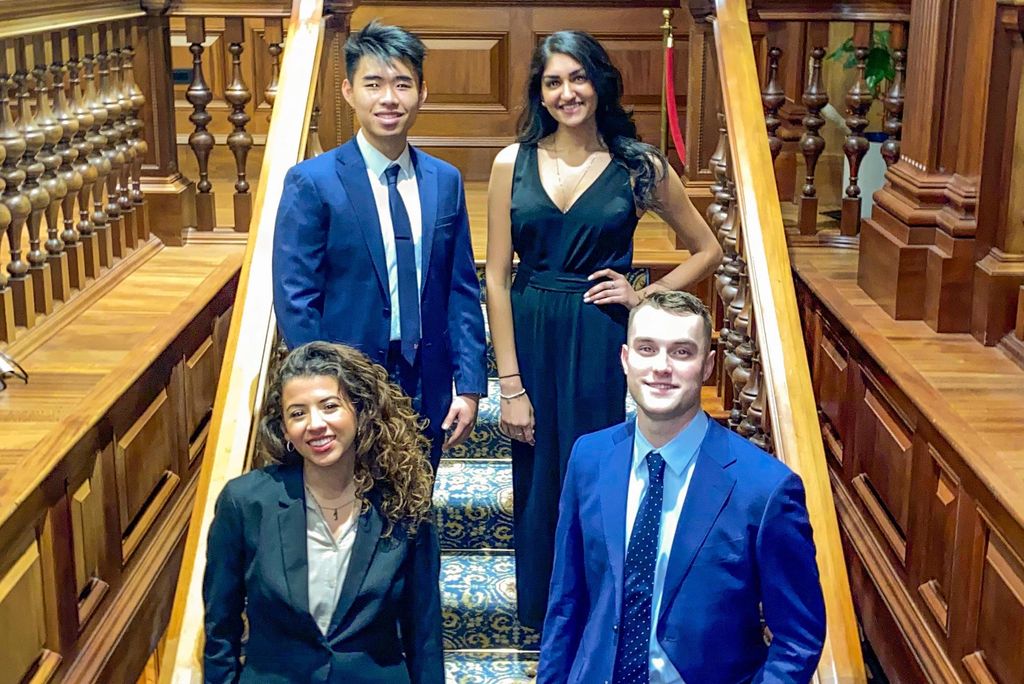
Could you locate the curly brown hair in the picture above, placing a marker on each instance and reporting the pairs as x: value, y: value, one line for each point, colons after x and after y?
x: 390, y: 447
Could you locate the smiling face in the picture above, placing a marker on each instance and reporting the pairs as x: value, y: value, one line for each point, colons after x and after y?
x: 666, y: 361
x: 386, y: 97
x: 567, y: 92
x: 319, y: 420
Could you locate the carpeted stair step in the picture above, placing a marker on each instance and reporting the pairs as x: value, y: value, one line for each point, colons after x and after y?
x: 478, y: 600
x: 473, y: 500
x: 490, y: 667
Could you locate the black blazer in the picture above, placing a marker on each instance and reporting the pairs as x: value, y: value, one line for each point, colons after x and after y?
x: 386, y: 627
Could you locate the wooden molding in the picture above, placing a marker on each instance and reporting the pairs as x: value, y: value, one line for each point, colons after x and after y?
x: 795, y: 430
x: 26, y: 17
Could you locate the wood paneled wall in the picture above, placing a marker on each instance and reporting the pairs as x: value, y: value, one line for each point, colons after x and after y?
x: 89, y: 549
x: 935, y: 556
x: 476, y: 69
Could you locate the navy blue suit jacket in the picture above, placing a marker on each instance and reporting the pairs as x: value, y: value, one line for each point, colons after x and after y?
x: 331, y: 279
x: 256, y: 562
x: 743, y: 541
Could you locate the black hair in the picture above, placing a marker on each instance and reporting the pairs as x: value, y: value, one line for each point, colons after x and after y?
x: 646, y: 164
x: 386, y: 43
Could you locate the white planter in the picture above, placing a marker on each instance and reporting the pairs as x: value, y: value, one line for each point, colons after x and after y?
x: 872, y: 173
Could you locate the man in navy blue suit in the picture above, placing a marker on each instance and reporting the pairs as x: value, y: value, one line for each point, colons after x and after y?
x: 372, y: 245
x: 678, y: 541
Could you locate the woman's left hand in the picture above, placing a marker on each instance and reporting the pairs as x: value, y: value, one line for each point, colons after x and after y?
x: 615, y: 290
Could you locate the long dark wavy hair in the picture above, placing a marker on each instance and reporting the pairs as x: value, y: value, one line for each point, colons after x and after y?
x: 645, y: 163
x: 390, y: 448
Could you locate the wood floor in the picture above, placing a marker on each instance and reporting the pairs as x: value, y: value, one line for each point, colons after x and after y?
x: 95, y: 337
x: 971, y: 392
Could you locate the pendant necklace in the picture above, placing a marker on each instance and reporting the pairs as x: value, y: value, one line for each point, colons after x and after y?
x: 558, y: 175
x: 334, y: 510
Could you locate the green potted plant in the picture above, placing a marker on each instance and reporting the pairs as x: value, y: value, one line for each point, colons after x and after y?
x: 879, y: 72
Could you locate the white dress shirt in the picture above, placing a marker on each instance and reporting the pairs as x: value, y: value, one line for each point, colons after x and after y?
x: 376, y: 165
x: 680, y: 454
x: 328, y: 558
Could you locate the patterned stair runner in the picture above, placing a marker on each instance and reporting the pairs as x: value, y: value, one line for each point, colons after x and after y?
x: 484, y: 642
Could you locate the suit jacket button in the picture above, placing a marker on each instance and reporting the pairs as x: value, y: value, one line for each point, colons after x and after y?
x: 615, y: 628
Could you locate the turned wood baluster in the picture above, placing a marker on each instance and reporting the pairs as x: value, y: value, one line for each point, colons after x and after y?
x: 97, y: 157
x: 858, y: 103
x: 815, y: 98
x: 314, y: 148
x: 893, y: 101
x: 16, y: 201
x: 39, y: 273
x: 746, y: 428
x: 772, y: 99
x: 757, y: 415
x: 82, y: 144
x: 138, y: 141
x: 238, y: 96
x: 715, y: 213
x: 56, y: 263
x: 200, y: 140
x: 737, y: 362
x: 68, y: 174
x: 122, y: 182
x: 113, y: 151
x: 273, y: 34
x: 6, y: 299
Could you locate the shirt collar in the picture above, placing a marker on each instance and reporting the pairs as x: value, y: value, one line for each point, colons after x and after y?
x: 377, y: 163
x: 679, y: 452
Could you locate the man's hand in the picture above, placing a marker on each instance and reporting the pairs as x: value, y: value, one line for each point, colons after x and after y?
x: 461, y: 415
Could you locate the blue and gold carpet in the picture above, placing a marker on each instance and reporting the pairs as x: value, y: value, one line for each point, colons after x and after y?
x: 484, y: 642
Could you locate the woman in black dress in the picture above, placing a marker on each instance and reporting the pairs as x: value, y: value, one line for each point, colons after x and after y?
x: 566, y: 199
x: 330, y: 553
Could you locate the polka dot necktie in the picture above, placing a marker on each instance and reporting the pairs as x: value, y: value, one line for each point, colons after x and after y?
x: 632, y: 654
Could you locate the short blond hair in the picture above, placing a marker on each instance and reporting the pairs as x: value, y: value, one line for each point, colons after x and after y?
x: 677, y: 302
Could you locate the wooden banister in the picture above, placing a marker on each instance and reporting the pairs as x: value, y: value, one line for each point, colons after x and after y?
x: 795, y: 429
x: 251, y: 338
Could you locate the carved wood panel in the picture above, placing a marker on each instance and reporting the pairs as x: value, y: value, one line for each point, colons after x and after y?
x: 883, y: 466
x: 21, y: 604
x: 999, y: 657
x: 201, y: 371
x: 936, y: 536
x: 831, y: 387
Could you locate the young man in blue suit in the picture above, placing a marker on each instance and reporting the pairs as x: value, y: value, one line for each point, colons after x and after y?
x: 676, y: 535
x: 372, y: 245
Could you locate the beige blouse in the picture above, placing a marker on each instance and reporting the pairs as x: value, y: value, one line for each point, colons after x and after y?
x: 328, y: 562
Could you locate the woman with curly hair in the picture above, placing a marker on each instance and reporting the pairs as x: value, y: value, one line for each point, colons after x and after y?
x: 329, y: 551
x: 567, y: 198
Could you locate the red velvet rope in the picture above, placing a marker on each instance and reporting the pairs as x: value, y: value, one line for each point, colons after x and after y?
x: 670, y: 103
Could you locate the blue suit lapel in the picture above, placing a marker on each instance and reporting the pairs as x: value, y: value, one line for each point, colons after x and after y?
x: 352, y: 171
x: 292, y: 529
x: 614, y: 485
x: 710, y: 486
x: 367, y: 536
x: 426, y: 181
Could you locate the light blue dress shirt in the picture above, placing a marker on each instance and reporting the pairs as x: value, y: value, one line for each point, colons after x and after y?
x: 680, y: 454
x: 376, y: 165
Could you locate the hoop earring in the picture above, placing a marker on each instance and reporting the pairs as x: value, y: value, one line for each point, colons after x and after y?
x: 288, y: 446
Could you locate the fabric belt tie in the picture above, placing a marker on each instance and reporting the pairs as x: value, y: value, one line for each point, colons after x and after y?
x: 553, y: 281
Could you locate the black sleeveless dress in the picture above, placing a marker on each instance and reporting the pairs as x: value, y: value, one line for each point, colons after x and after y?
x: 568, y: 351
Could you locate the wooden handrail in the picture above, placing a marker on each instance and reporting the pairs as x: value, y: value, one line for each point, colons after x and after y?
x: 251, y: 338
x: 795, y: 428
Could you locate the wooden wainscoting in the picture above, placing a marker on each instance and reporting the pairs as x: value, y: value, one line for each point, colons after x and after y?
x: 98, y: 469
x: 925, y: 447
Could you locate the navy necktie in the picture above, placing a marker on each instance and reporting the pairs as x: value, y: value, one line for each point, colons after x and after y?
x: 405, y: 255
x: 632, y: 664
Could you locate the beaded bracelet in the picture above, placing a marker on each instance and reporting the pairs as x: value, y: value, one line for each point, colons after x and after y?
x: 509, y: 397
